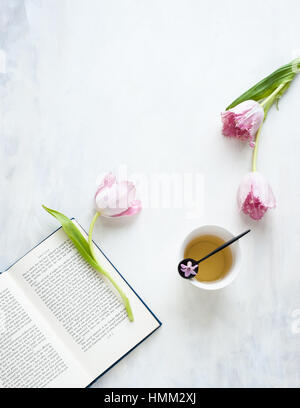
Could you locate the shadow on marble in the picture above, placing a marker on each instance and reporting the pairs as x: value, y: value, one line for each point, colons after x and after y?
x: 117, y: 222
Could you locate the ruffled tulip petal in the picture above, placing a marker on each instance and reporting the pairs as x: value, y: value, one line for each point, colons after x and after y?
x: 243, y: 121
x: 255, y: 196
x: 253, y: 207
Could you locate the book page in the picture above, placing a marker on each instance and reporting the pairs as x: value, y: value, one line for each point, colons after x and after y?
x: 81, y: 305
x: 30, y: 355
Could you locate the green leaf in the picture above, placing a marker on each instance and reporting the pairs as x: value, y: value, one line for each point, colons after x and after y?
x: 73, y: 233
x: 264, y: 88
x: 83, y: 248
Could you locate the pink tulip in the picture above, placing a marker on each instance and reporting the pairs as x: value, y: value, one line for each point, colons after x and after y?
x: 255, y: 195
x: 116, y: 199
x: 243, y: 121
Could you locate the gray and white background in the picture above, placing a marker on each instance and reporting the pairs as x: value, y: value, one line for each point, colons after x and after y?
x: 88, y: 85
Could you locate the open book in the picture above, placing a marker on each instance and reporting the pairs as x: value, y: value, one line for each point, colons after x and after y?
x: 62, y: 324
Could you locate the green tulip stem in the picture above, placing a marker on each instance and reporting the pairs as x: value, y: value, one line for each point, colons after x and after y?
x: 106, y: 274
x: 122, y: 294
x: 254, y: 157
x: 91, y: 245
x: 266, y: 104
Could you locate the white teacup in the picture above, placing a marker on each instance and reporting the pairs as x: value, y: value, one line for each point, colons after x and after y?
x: 236, y: 256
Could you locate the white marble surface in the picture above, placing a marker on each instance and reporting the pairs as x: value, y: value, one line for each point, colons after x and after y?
x: 89, y: 85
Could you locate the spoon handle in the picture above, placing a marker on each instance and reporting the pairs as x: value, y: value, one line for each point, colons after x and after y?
x: 226, y: 244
